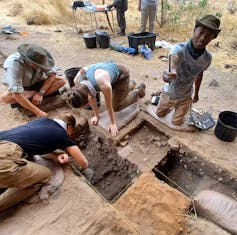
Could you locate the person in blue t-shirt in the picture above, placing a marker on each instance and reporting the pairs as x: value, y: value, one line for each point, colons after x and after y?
x: 190, y: 60
x: 23, y: 177
x: 113, y: 81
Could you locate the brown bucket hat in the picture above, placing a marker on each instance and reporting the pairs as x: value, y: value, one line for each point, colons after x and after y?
x: 37, y: 55
x: 209, y: 21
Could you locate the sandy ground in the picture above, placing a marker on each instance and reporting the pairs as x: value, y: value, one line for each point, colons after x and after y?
x: 148, y: 206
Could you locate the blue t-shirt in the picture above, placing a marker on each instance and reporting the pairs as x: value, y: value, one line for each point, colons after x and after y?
x: 108, y: 66
x: 39, y: 136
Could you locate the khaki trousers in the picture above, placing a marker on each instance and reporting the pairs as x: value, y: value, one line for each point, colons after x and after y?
x: 148, y: 12
x: 21, y: 177
x: 181, y: 108
x: 122, y: 97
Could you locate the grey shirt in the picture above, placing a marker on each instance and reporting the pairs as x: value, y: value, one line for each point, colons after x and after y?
x: 19, y: 75
x: 108, y: 66
x: 145, y: 3
x: 187, y: 70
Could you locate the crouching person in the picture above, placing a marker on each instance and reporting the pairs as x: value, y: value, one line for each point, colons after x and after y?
x: 18, y: 174
x: 113, y: 81
x: 29, y: 77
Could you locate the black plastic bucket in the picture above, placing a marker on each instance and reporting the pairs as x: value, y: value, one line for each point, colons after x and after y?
x: 103, y: 39
x: 226, y: 127
x: 70, y: 75
x: 90, y: 40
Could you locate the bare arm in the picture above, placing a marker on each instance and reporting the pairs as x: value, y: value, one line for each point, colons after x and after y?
x: 93, y: 103
x: 23, y: 101
x: 103, y: 80
x: 59, y: 158
x: 82, y: 73
x: 76, y: 153
x: 51, y: 84
x: 48, y: 83
x: 107, y: 91
x: 198, y: 82
x: 139, y: 5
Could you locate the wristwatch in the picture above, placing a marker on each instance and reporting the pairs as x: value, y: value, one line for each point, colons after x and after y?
x: 41, y: 92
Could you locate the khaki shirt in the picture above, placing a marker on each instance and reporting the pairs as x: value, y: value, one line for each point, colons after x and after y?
x: 19, y: 75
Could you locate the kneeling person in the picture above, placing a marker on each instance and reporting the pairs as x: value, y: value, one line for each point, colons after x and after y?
x: 113, y: 81
x: 29, y: 77
x: 191, y: 60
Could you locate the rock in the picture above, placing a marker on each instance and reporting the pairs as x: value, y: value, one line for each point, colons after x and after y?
x: 124, y: 152
x: 124, y: 143
x: 30, y: 21
x: 158, y: 143
x: 214, y: 82
x: 173, y: 143
x: 126, y: 137
x: 163, y: 142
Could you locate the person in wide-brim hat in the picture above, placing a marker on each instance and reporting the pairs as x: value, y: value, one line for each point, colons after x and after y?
x: 37, y: 55
x: 29, y: 77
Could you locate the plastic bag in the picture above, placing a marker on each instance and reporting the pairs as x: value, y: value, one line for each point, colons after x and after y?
x: 146, y: 51
x: 217, y: 208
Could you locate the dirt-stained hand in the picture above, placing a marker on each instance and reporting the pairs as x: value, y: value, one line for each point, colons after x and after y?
x: 169, y: 76
x: 37, y: 99
x: 63, y: 158
x: 94, y: 120
x: 41, y: 113
x: 113, y: 129
x: 88, y: 173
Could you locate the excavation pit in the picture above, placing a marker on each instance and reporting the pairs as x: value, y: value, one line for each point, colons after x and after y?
x: 144, y: 146
x: 191, y: 174
x: 109, y: 174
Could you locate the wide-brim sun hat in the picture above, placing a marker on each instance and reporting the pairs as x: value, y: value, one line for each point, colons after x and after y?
x: 37, y: 55
x: 209, y: 21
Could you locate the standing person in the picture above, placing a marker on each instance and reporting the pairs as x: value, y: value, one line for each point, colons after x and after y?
x: 41, y: 136
x: 29, y: 77
x: 121, y: 6
x: 113, y: 81
x: 191, y: 60
x: 148, y: 10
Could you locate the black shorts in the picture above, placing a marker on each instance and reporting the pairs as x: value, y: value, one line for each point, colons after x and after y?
x: 36, y: 87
